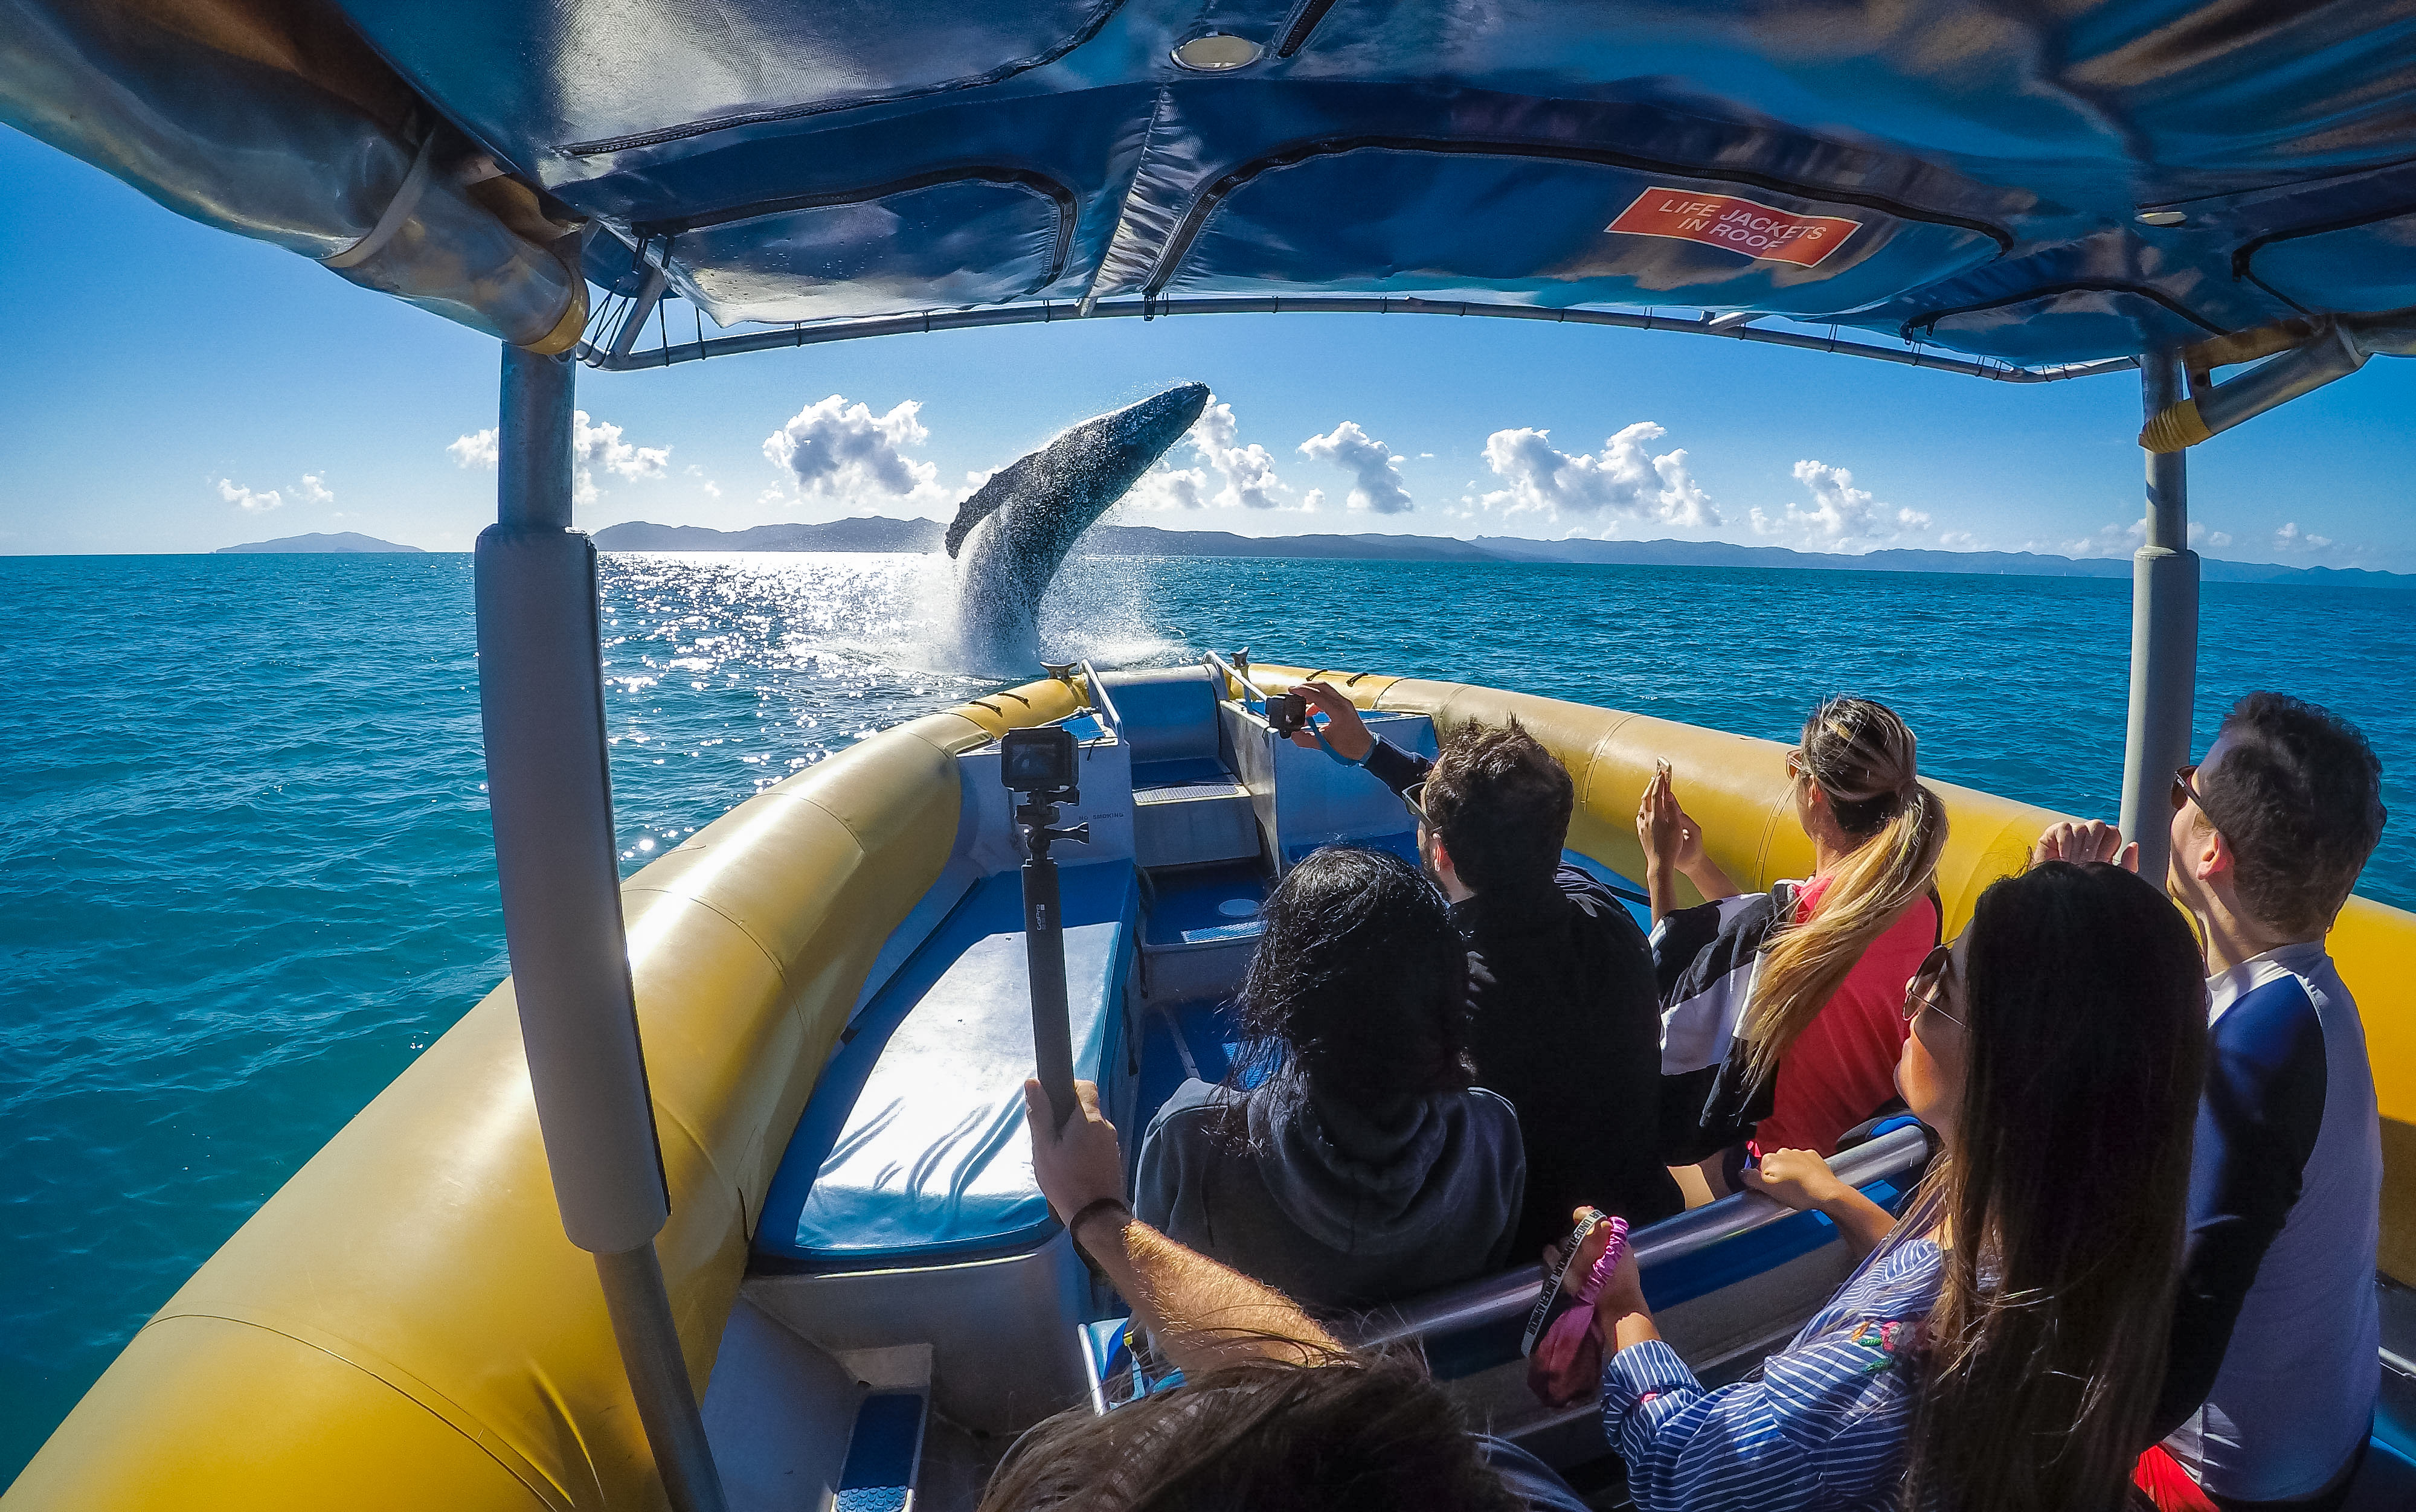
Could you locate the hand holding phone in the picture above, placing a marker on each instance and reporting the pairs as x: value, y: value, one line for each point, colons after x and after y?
x: 1565, y: 1360
x: 1587, y: 1219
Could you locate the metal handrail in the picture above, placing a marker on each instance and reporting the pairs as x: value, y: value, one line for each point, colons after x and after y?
x: 1222, y: 666
x: 1094, y: 693
x: 1509, y: 1296
x: 925, y: 322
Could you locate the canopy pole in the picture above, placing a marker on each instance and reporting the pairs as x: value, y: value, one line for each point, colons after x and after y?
x: 2164, y: 636
x: 549, y: 794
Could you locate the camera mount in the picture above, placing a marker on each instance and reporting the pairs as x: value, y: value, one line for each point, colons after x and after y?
x: 1038, y: 765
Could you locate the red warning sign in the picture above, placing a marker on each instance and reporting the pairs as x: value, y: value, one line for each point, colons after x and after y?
x: 1757, y: 231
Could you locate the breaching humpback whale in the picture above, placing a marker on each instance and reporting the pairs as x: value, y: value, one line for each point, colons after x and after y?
x: 1017, y: 527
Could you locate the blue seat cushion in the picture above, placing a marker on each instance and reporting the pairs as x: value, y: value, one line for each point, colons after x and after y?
x: 1169, y: 716
x: 914, y: 1144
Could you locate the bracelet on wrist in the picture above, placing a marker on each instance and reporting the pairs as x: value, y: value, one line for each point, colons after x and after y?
x: 1091, y: 1209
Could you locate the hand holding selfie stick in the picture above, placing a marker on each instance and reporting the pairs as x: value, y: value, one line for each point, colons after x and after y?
x: 1038, y: 765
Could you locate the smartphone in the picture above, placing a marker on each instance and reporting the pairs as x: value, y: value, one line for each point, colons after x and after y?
x: 1588, y: 1218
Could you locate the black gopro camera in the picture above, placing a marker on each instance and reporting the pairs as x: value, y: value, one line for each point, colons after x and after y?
x: 1286, y: 714
x: 1037, y: 760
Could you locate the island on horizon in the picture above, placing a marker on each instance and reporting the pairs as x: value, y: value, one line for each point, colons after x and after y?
x: 877, y: 532
x: 316, y: 542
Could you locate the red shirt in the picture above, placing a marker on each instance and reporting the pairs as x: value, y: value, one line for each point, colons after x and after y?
x: 1842, y: 1068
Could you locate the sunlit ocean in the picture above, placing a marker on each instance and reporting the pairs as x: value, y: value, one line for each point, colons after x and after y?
x: 245, y: 874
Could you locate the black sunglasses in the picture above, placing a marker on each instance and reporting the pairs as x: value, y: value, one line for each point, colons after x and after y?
x: 1414, y: 796
x: 1932, y: 968
x: 2185, y: 790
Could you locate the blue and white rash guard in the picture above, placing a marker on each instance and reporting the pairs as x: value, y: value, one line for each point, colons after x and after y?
x: 2277, y: 1306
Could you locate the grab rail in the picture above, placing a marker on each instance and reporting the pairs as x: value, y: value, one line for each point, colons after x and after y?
x: 1220, y: 665
x: 1094, y: 693
x: 1495, y: 1300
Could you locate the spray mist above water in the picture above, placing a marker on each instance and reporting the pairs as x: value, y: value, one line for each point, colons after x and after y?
x: 1011, y: 536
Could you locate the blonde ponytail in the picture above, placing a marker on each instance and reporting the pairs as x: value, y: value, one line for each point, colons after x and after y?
x: 1861, y: 756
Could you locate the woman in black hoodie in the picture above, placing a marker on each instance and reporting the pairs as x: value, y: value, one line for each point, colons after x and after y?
x: 1346, y: 1161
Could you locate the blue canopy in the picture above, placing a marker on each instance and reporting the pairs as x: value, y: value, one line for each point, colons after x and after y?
x: 1994, y: 180
x: 2030, y: 184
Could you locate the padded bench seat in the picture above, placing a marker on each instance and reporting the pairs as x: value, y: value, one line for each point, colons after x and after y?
x: 913, y: 1147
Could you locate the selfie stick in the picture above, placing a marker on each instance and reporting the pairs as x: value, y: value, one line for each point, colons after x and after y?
x: 1044, y: 944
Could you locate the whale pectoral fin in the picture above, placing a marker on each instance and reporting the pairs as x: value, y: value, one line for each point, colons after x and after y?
x: 985, y: 501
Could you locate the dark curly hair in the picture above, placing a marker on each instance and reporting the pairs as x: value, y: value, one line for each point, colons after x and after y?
x: 1359, y: 987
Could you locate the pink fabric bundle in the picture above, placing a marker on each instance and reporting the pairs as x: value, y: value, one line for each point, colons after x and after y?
x: 1566, y: 1364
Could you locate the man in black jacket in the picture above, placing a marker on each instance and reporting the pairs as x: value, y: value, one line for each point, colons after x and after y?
x: 1566, y: 1015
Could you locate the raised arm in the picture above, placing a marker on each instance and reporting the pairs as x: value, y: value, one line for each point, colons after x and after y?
x: 1202, y: 1314
x: 2084, y: 840
x: 1673, y: 847
x: 1348, y: 736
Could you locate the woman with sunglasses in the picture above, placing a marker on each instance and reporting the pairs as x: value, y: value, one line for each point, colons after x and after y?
x: 1779, y: 1027
x: 2002, y: 1346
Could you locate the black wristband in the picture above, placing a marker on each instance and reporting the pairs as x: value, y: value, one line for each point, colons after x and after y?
x: 1074, y: 1224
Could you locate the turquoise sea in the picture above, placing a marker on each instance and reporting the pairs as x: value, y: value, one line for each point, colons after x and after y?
x: 243, y: 865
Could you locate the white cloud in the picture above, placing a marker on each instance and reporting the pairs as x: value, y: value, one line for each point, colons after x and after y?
x: 2122, y: 540
x: 1247, y: 474
x: 245, y: 499
x: 712, y: 489
x: 592, y: 445
x: 1624, y: 479
x: 1957, y: 541
x: 314, y: 489
x: 1842, y: 516
x: 2107, y: 541
x: 846, y: 451
x: 1310, y: 500
x: 1166, y: 488
x: 1376, y: 472
x: 2289, y: 538
x: 477, y: 450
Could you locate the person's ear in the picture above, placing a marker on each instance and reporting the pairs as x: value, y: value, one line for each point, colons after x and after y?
x: 2210, y: 856
x: 1442, y: 858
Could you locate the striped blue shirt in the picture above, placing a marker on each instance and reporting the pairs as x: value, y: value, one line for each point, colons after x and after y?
x: 1823, y: 1428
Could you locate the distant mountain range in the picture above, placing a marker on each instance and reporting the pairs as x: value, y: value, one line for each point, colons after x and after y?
x: 874, y: 532
x: 319, y: 541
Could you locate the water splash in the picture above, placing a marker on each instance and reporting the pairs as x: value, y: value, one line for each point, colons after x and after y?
x: 1097, y: 606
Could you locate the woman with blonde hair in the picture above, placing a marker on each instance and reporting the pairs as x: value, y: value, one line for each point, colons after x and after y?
x: 1780, y: 1022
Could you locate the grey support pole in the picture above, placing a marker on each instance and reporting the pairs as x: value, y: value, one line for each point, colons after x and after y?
x: 2164, y: 637
x: 550, y: 792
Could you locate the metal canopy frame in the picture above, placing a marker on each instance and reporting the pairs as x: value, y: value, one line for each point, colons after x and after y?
x: 624, y: 320
x: 549, y: 797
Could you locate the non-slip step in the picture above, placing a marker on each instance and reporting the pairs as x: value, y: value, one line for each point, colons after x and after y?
x: 1192, y: 823
x: 882, y: 1453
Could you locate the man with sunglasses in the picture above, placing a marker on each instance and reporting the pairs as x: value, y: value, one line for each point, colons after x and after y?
x: 2272, y: 1371
x: 1565, y: 1014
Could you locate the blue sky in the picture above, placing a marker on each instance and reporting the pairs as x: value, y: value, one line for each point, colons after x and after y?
x: 164, y: 380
